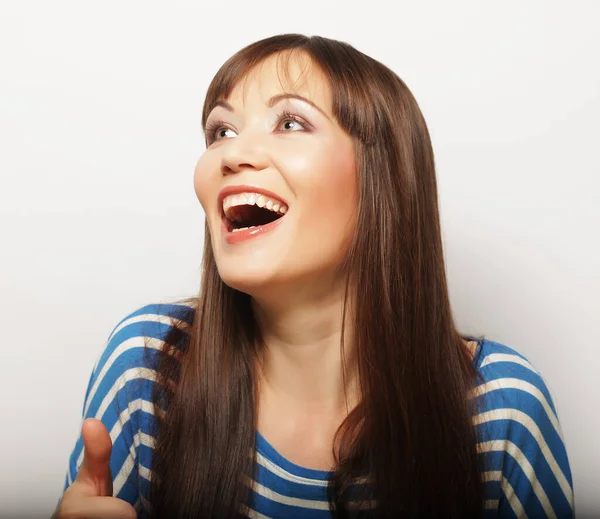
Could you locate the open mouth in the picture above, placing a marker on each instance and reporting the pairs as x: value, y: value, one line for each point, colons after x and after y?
x: 245, y: 211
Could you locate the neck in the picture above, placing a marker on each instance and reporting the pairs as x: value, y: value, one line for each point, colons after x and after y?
x: 301, y: 365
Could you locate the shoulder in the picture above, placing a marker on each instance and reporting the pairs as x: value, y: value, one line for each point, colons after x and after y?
x: 146, y: 327
x: 152, y: 321
x: 522, y: 441
x: 127, y: 364
x: 510, y: 379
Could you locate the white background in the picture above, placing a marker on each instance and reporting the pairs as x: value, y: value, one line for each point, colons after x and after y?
x: 100, y: 107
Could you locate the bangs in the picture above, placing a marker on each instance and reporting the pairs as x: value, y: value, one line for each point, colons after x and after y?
x: 352, y: 103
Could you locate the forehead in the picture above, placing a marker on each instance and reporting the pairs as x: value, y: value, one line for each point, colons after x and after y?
x: 284, y: 72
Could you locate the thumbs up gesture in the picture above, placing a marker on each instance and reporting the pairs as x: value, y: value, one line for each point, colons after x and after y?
x: 90, y: 495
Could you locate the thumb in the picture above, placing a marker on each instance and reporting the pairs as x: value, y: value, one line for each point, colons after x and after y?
x: 95, y: 469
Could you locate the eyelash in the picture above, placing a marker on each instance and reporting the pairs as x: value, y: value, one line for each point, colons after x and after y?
x: 212, y: 127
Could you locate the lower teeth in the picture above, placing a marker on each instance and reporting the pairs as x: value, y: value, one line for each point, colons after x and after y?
x: 243, y: 228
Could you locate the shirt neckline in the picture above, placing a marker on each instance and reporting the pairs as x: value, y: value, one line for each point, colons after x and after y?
x: 269, y: 452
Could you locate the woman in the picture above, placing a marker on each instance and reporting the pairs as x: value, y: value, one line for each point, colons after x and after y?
x: 319, y: 373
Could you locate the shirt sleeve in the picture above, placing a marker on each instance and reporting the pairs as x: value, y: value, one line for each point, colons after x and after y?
x: 116, y: 394
x: 536, y: 477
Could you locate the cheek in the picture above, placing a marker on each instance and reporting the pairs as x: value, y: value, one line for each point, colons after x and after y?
x: 203, y: 184
x: 333, y: 193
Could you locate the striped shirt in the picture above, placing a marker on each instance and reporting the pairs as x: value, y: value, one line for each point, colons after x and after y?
x: 527, y: 469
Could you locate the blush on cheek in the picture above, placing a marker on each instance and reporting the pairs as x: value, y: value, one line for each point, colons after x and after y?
x: 343, y: 166
x: 338, y: 193
x: 332, y: 212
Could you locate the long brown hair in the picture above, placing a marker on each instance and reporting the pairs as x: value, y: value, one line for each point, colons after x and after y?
x: 411, y: 435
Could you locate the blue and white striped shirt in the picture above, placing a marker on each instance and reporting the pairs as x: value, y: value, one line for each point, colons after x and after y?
x: 527, y: 468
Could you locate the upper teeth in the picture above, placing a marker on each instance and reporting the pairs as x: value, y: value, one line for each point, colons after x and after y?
x: 254, y: 199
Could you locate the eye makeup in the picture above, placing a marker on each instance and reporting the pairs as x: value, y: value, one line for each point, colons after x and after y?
x: 216, y: 125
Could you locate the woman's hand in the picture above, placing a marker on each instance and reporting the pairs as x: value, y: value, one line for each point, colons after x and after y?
x: 90, y: 495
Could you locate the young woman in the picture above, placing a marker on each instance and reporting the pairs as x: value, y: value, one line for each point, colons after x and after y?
x: 319, y: 373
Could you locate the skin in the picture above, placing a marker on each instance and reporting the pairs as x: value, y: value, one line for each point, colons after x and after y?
x: 292, y: 273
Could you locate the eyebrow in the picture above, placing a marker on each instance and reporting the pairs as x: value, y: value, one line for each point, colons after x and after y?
x: 272, y: 102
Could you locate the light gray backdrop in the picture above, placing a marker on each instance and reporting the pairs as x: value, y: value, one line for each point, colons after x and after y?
x: 100, y: 109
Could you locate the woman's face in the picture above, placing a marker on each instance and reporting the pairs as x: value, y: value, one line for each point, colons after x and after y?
x: 303, y: 158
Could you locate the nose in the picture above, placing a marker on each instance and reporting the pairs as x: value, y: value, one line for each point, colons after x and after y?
x: 244, y: 152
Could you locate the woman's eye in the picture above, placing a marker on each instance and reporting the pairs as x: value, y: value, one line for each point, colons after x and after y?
x: 219, y: 133
x: 214, y: 132
x: 292, y: 120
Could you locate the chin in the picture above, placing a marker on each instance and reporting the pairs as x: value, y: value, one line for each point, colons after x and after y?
x: 249, y: 281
